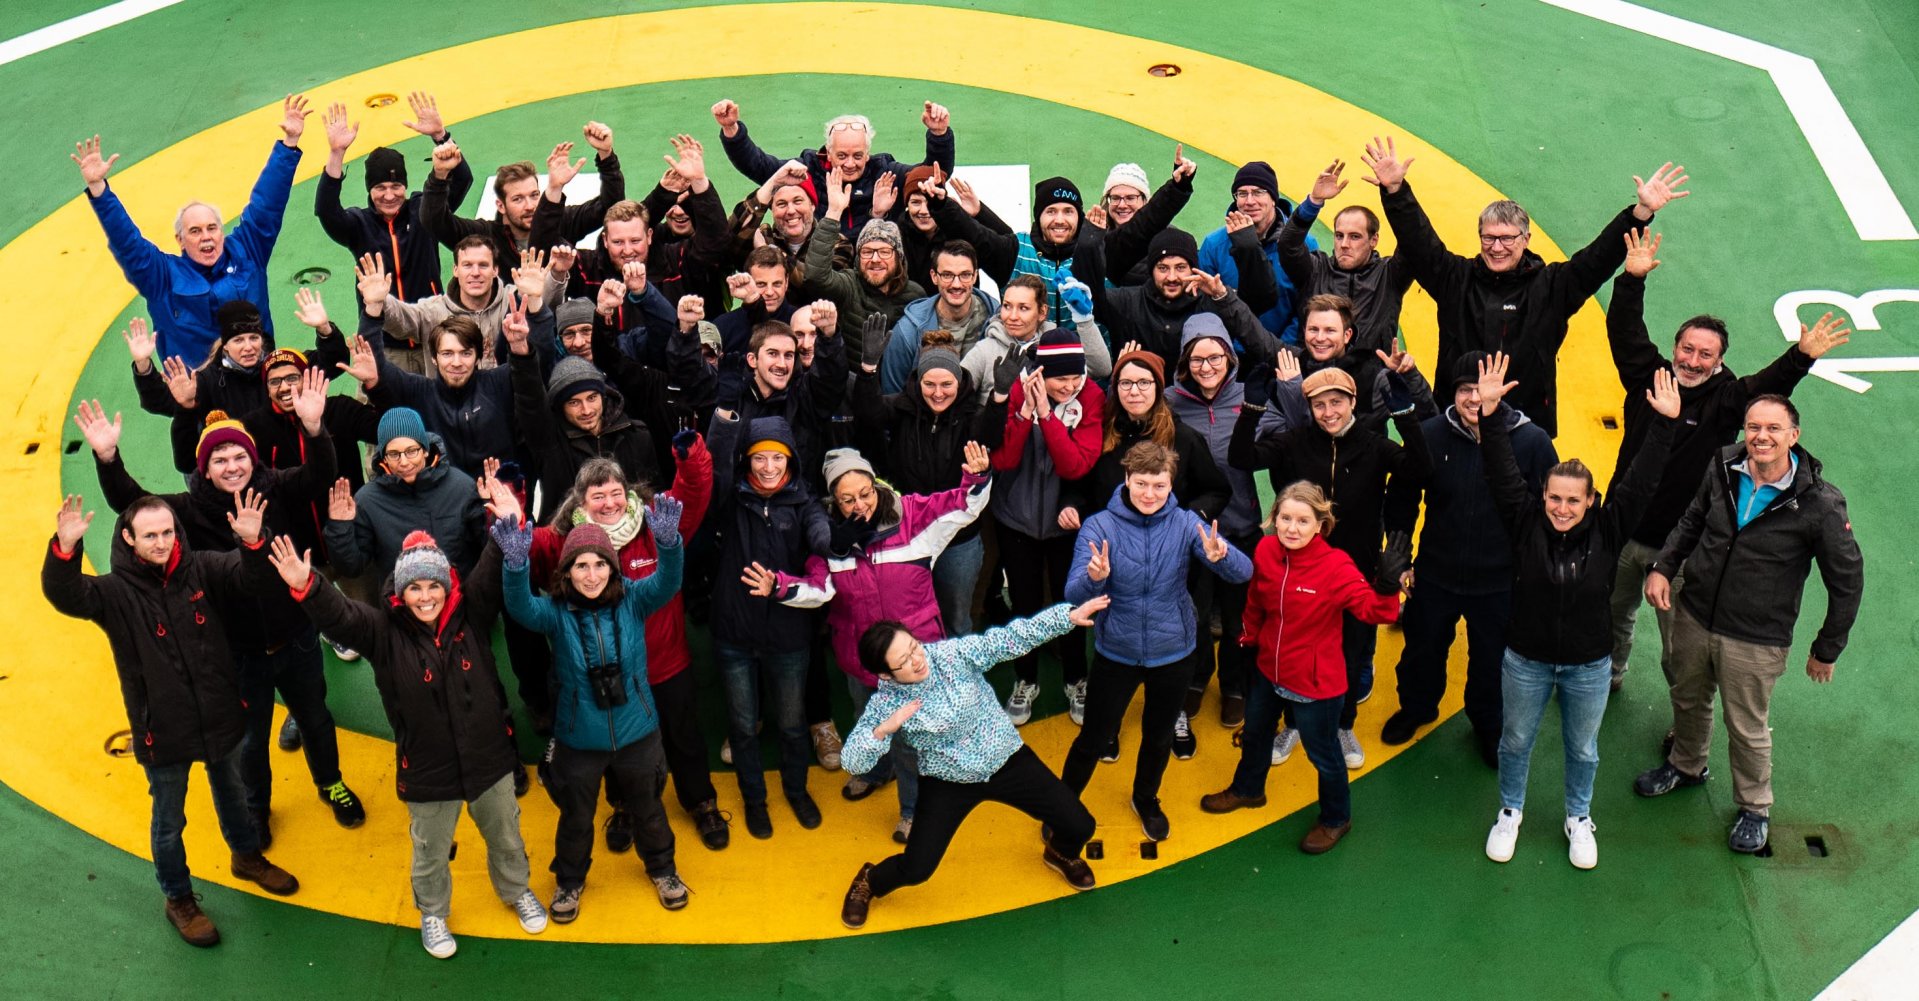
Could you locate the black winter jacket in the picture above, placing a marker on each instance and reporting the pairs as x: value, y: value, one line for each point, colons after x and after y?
x: 778, y: 532
x: 919, y: 451
x: 1463, y: 546
x: 441, y: 501
x: 283, y: 445
x: 411, y: 255
x: 437, y: 204
x: 559, y: 448
x: 1198, y: 484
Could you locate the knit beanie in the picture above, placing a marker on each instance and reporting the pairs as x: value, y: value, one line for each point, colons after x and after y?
x: 572, y: 313
x: 1150, y: 362
x: 385, y: 164
x: 1466, y: 369
x: 1259, y: 175
x: 1053, y: 191
x: 841, y: 461
x: 237, y: 317
x: 1059, y: 352
x: 282, y: 357
x: 421, y: 559
x: 400, y: 422
x: 571, y: 377
x: 1130, y: 174
x: 587, y: 538
x: 923, y: 172
x: 1172, y: 242
x: 219, y: 432
x: 938, y: 358
x: 881, y: 231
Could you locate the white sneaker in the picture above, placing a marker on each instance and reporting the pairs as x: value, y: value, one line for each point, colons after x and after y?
x: 1283, y: 743
x: 673, y: 893
x: 1019, y: 705
x: 346, y: 653
x: 1504, y: 835
x: 726, y: 750
x: 1076, y: 702
x: 531, y: 912
x: 1349, y: 746
x: 437, y: 941
x: 1582, y: 848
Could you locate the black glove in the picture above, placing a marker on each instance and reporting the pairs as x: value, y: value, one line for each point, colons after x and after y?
x: 847, y: 533
x: 1006, y: 373
x: 732, y: 381
x: 1259, y: 385
x: 874, y: 334
x: 1394, y: 560
x: 1399, y: 396
x: 683, y: 442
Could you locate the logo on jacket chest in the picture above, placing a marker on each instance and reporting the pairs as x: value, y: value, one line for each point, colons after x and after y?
x: 639, y: 563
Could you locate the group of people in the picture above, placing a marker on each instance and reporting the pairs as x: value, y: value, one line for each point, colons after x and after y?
x: 842, y: 469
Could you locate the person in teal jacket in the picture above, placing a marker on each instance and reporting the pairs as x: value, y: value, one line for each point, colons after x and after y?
x: 604, y: 721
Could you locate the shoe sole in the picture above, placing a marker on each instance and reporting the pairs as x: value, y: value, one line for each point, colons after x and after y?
x: 449, y: 954
x: 562, y: 919
x: 534, y: 931
x: 1241, y: 805
x: 1185, y: 756
x: 673, y: 905
x: 850, y: 926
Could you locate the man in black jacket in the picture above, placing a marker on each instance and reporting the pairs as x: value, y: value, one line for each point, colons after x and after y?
x: 1375, y: 285
x: 517, y: 188
x: 1153, y: 315
x: 164, y: 609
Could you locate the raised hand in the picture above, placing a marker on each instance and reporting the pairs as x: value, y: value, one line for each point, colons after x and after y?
x: 1083, y: 615
x: 501, y: 502
x: 295, y: 567
x: 1825, y: 335
x: 691, y: 310
x: 759, y: 581
x: 1100, y: 565
x: 826, y: 317
x: 978, y: 459
x: 1236, y: 221
x: 70, y: 525
x: 1400, y: 360
x: 691, y: 166
x: 140, y: 344
x: 683, y: 441
x: 93, y: 169
x: 362, y: 363
x: 340, y: 505
x: 1286, y: 366
x: 515, y: 539
x: 293, y: 118
x: 309, y: 400
x: 1183, y: 168
x: 560, y: 167
x: 936, y: 119
x: 1259, y: 383
x: 515, y: 329
x: 663, y: 517
x: 1664, y: 394
x: 248, y: 516
x: 375, y: 286
x: 740, y: 286
x: 1216, y: 548
x: 1388, y: 170
x: 1492, y: 382
x: 790, y: 172
x: 727, y: 114
x: 963, y: 193
x: 1655, y: 193
x: 874, y: 334
x: 886, y: 192
x: 340, y: 132
x: 1077, y: 296
x: 1210, y: 286
x: 839, y: 197
x: 1327, y: 185
x: 1006, y: 372
x: 426, y: 115
x: 1034, y: 395
x: 309, y: 308
x: 1127, y: 348
x: 446, y: 156
x: 530, y: 277
x: 600, y: 137
x: 1095, y: 216
x: 1642, y: 255
x: 612, y: 293
x: 892, y: 723
x: 181, y: 381
x: 633, y: 274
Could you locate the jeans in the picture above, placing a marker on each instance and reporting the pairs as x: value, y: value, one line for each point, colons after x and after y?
x: 641, y: 773
x: 784, y: 674
x: 299, y: 672
x: 497, y: 814
x: 900, y: 761
x: 1109, y: 690
x: 1036, y: 572
x: 1528, y: 685
x: 955, y: 574
x: 1226, y: 657
x: 167, y: 784
x: 1429, y: 620
x: 1628, y: 590
x: 1318, y: 732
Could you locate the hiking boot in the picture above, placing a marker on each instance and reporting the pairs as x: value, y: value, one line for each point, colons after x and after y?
x: 1401, y: 726
x: 759, y: 823
x: 711, y: 823
x: 191, y: 922
x: 1227, y: 801
x: 1075, y: 701
x: 805, y: 810
x: 1350, y: 749
x: 904, y: 830
x: 346, y: 806
x: 566, y: 904
x: 1504, y: 837
x: 1152, y: 820
x: 858, y: 787
x: 619, y: 832
x: 1184, y: 746
x: 290, y: 734
x: 532, y: 915
x: 265, y: 828
x: 1749, y: 832
x: 1321, y: 838
x: 1110, y: 753
x: 435, y: 939
x: 1232, y: 711
x: 1582, y: 849
x: 1664, y: 779
x: 255, y: 868
x: 1019, y: 703
x: 827, y: 746
x: 673, y: 893
x: 346, y: 653
x: 1077, y: 873
x: 1284, y: 742
x: 859, y: 897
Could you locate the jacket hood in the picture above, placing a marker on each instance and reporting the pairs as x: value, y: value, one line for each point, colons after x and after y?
x: 396, y: 606
x: 435, y: 469
x: 123, y: 561
x: 997, y: 331
x: 1529, y: 262
x: 920, y: 312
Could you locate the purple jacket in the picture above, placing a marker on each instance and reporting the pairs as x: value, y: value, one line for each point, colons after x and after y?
x: 891, y: 577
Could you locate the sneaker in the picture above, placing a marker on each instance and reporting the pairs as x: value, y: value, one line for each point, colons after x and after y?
x: 904, y: 830
x: 859, y: 897
x: 1110, y: 753
x: 532, y: 915
x: 1019, y: 704
x: 1184, y: 745
x: 346, y: 806
x: 1400, y: 727
x: 255, y: 868
x: 191, y: 922
x: 619, y: 832
x: 1152, y: 820
x: 1232, y: 712
x: 1582, y: 848
x: 1228, y: 801
x: 1078, y: 874
x: 1283, y: 744
x: 1075, y: 701
x: 715, y: 833
x: 805, y: 810
x: 1664, y: 779
x: 566, y: 904
x: 827, y: 746
x: 262, y: 824
x: 1349, y: 746
x: 435, y: 939
x: 1749, y: 832
x: 673, y: 893
x: 290, y: 734
x: 346, y: 653
x: 726, y: 749
x: 1504, y: 836
x: 759, y: 823
x: 858, y: 788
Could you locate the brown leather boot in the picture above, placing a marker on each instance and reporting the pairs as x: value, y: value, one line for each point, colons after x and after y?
x: 191, y: 922
x: 859, y: 897
x: 1078, y: 874
x: 1226, y: 801
x: 1321, y: 838
x: 273, y: 879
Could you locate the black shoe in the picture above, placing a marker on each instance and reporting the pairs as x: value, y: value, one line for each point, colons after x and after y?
x: 1488, y: 748
x: 290, y: 734
x: 1184, y: 746
x: 262, y: 825
x: 1152, y: 819
x: 1749, y: 832
x: 619, y: 832
x: 347, y: 810
x: 759, y: 823
x: 1400, y: 727
x: 1664, y: 779
x: 711, y: 823
x: 1111, y: 753
x: 520, y: 782
x: 805, y: 810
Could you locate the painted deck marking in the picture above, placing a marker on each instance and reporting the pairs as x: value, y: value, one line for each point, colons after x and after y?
x: 78, y: 26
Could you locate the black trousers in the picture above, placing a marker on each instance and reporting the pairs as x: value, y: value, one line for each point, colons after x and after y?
x: 684, y: 741
x: 1109, y: 690
x: 1429, y: 621
x: 1226, y: 657
x: 532, y: 664
x: 1036, y: 572
x: 1023, y: 783
x: 641, y: 775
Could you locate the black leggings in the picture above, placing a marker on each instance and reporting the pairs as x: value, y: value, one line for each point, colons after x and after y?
x: 1108, y: 693
x: 1036, y: 572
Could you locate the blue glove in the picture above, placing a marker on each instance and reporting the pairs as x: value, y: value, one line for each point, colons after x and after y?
x: 683, y: 442
x: 1399, y: 396
x: 665, y: 516
x: 1259, y: 385
x: 1077, y: 297
x: 515, y: 539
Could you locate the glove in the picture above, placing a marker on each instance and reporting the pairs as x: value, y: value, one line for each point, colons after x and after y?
x: 683, y: 442
x: 1259, y: 385
x: 732, y: 381
x: 874, y: 334
x: 1399, y: 396
x: 1006, y: 373
x: 847, y: 533
x: 1077, y: 297
x: 1394, y: 560
x: 665, y: 518
x: 515, y: 539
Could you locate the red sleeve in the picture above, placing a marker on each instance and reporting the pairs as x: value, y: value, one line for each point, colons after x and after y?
x: 1259, y: 592
x: 1358, y: 597
x: 1013, y: 446
x: 62, y: 553
x: 1076, y: 451
x: 300, y: 594
x: 544, y: 555
x: 692, y: 487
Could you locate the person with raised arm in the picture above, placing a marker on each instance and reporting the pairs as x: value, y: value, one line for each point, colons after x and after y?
x: 846, y: 156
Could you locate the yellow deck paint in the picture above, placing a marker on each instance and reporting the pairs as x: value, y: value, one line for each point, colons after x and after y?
x: 63, y: 692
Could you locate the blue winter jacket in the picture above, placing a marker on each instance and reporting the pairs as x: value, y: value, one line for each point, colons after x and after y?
x: 1147, y: 583
x: 182, y: 296
x: 903, y: 351
x: 1216, y: 257
x: 588, y: 637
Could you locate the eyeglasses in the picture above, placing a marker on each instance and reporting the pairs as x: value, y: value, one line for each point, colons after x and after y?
x: 1209, y: 361
x: 875, y: 253
x: 1509, y: 240
x: 1126, y: 199
x: 1136, y: 385
x: 1753, y: 429
x: 404, y: 454
x: 845, y: 127
x: 949, y: 277
x: 274, y: 382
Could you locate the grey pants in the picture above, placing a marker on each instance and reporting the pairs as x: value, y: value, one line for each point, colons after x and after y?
x: 1628, y: 591
x: 497, y: 814
x: 1742, y: 674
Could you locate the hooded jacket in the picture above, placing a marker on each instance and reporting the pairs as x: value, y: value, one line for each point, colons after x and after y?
x: 1293, y: 614
x: 402, y: 240
x: 901, y: 361
x: 559, y: 448
x: 778, y: 532
x: 1464, y: 547
x: 221, y: 385
x: 410, y: 323
x: 1149, y: 555
x: 1035, y: 458
x: 919, y: 451
x: 847, y: 288
x: 166, y: 628
x: 1197, y: 481
x: 474, y: 421
x: 1377, y: 288
x: 1277, y: 297
x: 283, y: 444
x: 441, y: 500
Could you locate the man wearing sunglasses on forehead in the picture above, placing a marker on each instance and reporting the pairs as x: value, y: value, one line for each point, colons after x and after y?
x: 847, y: 154
x: 1508, y: 299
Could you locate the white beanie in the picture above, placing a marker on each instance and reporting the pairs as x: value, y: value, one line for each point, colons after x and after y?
x: 1130, y: 174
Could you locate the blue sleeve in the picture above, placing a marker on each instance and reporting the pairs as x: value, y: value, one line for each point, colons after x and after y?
x: 748, y: 158
x: 144, y: 264
x: 1081, y: 588
x: 259, y: 225
x: 528, y: 609
x: 862, y: 751
x: 1215, y: 259
x: 1235, y: 568
x: 896, y: 366
x: 980, y: 652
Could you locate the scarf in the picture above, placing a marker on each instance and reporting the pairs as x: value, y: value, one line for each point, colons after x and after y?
x: 627, y: 528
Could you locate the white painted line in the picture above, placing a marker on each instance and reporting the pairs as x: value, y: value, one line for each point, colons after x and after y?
x: 1885, y: 972
x: 1856, y: 178
x: 77, y: 26
x: 1863, y: 311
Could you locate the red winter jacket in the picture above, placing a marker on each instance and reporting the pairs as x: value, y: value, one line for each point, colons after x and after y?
x: 1292, y: 614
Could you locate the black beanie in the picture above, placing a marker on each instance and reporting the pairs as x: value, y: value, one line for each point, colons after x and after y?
x: 1053, y: 191
x: 238, y: 317
x: 383, y: 165
x: 1172, y: 242
x: 1258, y: 175
x: 1466, y: 369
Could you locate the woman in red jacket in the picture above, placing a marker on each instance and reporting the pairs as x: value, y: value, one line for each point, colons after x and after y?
x: 1300, y: 587
x: 601, y: 494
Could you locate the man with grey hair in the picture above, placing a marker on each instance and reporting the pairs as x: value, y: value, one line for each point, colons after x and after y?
x: 847, y: 154
x: 1506, y: 298
x: 184, y: 290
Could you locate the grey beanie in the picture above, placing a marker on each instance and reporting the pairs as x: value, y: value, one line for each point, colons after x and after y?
x: 933, y: 358
x: 841, y: 461
x: 421, y: 559
x: 572, y: 313
x: 881, y: 231
x: 573, y: 375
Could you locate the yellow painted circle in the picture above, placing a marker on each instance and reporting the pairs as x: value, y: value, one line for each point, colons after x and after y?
x: 62, y: 698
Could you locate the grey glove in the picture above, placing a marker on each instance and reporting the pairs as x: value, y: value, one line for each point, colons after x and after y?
x: 665, y: 518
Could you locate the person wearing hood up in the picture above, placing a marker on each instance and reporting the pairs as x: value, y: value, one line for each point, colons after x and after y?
x: 571, y: 416
x: 1244, y: 253
x: 1376, y: 286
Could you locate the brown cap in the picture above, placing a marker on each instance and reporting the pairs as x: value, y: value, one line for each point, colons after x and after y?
x: 1329, y: 378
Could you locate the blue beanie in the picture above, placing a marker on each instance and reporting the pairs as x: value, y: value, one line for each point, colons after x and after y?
x: 401, y: 422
